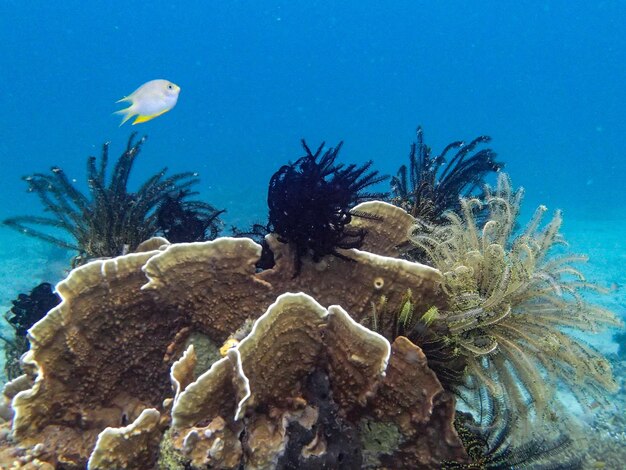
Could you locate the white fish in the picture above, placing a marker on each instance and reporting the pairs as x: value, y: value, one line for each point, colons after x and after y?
x: 150, y: 100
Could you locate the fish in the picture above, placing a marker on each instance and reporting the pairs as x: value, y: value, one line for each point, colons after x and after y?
x: 150, y: 100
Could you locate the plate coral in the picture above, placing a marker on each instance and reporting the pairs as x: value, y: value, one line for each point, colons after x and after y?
x: 373, y: 339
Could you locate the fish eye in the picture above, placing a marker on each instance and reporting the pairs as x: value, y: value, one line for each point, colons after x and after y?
x: 170, y: 87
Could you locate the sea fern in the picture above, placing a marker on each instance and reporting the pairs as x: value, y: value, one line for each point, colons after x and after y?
x: 513, y: 305
x: 492, y: 441
x: 110, y: 220
x: 432, y: 184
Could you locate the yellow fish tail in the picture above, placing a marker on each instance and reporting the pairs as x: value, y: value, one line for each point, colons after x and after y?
x: 127, y: 113
x: 145, y: 118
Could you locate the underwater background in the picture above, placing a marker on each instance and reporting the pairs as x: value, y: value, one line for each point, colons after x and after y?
x: 545, y: 79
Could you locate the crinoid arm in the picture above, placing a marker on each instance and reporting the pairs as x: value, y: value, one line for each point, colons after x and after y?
x: 493, y: 440
x: 516, y: 306
x: 310, y: 200
x: 433, y: 184
x: 109, y: 220
x: 180, y: 220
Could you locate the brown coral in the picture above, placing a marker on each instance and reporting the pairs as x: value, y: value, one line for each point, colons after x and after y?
x: 90, y: 373
x: 103, y: 356
x: 295, y: 339
x: 387, y: 228
x: 132, y: 446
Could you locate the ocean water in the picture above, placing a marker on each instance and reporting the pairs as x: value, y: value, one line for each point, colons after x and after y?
x: 545, y: 79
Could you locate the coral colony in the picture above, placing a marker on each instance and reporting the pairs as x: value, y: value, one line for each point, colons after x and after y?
x: 359, y: 330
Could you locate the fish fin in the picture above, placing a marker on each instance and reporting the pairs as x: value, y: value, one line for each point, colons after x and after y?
x: 127, y: 113
x: 125, y: 99
x: 145, y: 118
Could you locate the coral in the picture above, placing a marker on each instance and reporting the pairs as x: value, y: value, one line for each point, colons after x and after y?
x: 370, y: 277
x: 310, y: 200
x: 169, y: 458
x: 420, y: 327
x: 340, y: 445
x: 387, y: 228
x: 113, y: 359
x: 325, y: 345
x: 112, y: 221
x: 206, y: 351
x: 134, y: 348
x: 386, y: 231
x: 434, y: 185
x: 409, y: 407
x: 132, y: 446
x: 377, y: 438
x: 298, y: 347
x: 10, y: 389
x: 512, y: 305
x: 91, y: 362
x: 103, y: 355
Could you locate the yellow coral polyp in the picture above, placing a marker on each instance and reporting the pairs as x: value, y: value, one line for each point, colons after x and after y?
x: 379, y: 283
x: 228, y: 344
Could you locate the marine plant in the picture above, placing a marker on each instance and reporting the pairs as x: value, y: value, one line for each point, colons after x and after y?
x: 310, y: 200
x: 432, y: 185
x: 513, y: 304
x: 110, y: 221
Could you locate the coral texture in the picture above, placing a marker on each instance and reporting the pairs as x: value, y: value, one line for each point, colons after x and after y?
x: 106, y: 355
x: 293, y: 340
x: 94, y: 367
x: 132, y: 446
x: 387, y: 228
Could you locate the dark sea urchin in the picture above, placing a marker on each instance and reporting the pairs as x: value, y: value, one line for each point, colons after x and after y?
x: 310, y: 200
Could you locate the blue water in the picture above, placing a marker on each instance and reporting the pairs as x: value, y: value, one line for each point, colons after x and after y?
x: 545, y: 79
